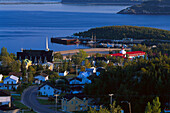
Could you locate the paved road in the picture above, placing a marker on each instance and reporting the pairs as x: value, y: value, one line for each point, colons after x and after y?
x: 29, y: 98
x: 90, y: 50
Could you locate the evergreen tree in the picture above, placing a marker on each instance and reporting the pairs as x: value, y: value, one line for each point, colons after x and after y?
x: 148, y: 108
x: 4, y: 52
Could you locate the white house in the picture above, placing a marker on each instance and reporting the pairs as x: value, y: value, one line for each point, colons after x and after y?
x: 1, y: 76
x: 83, y: 75
x: 47, y: 89
x: 80, y: 81
x: 42, y: 77
x: 64, y: 73
x: 11, y: 82
x: 5, y: 98
x: 75, y: 80
x: 49, y: 64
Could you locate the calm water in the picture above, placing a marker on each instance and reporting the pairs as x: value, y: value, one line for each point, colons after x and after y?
x: 26, y: 26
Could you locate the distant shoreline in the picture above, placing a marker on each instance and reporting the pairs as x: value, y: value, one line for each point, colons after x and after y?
x: 96, y: 3
x: 81, y: 3
x: 20, y: 3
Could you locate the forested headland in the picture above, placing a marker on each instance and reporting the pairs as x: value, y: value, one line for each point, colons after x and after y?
x: 152, y: 7
x: 120, y: 32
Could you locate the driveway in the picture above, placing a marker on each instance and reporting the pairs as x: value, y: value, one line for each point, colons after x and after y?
x: 29, y: 98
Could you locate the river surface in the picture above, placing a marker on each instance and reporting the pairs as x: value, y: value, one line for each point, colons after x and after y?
x: 27, y: 25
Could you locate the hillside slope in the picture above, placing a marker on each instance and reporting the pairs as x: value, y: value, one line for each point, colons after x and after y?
x: 120, y: 32
x: 149, y: 7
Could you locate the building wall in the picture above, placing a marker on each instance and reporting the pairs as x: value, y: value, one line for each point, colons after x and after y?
x: 46, y: 90
x: 40, y: 78
x: 5, y: 100
x: 75, y: 82
x: 10, y: 87
x: 10, y: 81
x: 74, y: 105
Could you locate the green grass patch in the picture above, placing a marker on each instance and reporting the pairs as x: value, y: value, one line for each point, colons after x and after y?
x: 20, y: 105
x: 16, y: 97
x: 46, y: 102
x: 70, y: 76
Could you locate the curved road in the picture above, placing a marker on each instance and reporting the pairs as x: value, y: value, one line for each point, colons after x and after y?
x: 29, y: 98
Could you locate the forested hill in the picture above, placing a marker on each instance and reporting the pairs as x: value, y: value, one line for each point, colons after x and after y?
x: 102, y: 1
x: 120, y: 32
x: 154, y: 7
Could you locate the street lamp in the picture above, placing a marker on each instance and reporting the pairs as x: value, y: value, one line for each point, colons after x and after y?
x: 56, y: 95
x: 111, y: 98
x: 130, y: 111
x: 111, y: 101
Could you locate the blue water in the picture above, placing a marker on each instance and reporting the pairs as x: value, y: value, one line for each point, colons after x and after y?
x: 27, y: 26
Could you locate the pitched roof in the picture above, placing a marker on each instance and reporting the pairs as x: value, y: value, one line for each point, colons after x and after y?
x: 4, y: 93
x: 15, y: 73
x: 81, y: 96
x: 43, y: 74
x: 46, y: 83
x: 12, y: 77
x: 76, y: 78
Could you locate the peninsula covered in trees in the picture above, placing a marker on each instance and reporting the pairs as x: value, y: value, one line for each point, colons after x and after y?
x: 152, y: 7
x: 120, y: 32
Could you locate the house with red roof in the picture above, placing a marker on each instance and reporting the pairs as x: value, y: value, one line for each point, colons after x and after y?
x: 131, y: 55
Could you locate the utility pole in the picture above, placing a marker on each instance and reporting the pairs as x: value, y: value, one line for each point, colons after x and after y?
x: 76, y: 71
x: 56, y: 101
x: 111, y: 102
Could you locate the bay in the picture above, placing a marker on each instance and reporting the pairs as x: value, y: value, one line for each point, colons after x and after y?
x: 27, y: 25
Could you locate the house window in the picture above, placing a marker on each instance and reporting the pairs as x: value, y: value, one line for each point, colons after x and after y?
x: 76, y: 108
x: 44, y: 87
x: 7, y: 82
x: 48, y: 87
x: 76, y: 102
x: 72, y: 102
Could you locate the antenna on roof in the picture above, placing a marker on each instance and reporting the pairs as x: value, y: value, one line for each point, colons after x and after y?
x: 47, y: 49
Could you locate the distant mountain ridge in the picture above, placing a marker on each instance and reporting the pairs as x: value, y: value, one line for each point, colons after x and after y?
x: 153, y: 7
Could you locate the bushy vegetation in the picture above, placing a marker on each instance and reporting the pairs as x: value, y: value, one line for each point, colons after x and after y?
x: 120, y: 32
x: 138, y: 81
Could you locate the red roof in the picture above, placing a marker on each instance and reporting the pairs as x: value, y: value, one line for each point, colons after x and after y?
x: 117, y: 54
x: 133, y: 53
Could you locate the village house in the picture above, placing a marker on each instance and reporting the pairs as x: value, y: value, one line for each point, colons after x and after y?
x: 5, y: 98
x: 47, y: 89
x: 41, y: 78
x: 11, y: 82
x: 17, y: 74
x: 1, y: 76
x: 74, y: 102
x: 49, y: 65
x: 64, y: 73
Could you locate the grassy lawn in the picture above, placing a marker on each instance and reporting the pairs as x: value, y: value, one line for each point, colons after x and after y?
x: 70, y: 76
x: 20, y: 105
x: 16, y: 97
x: 46, y: 102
